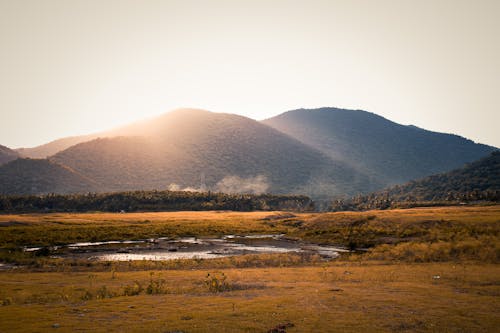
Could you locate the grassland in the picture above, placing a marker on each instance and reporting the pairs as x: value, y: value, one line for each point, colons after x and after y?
x: 422, y: 270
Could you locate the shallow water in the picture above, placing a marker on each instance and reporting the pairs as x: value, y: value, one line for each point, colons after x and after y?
x: 190, y: 248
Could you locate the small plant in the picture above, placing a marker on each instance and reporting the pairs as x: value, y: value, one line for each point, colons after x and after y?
x: 103, y: 293
x: 87, y: 296
x: 133, y: 290
x: 92, y: 278
x: 6, y: 301
x: 216, y: 282
x: 155, y: 286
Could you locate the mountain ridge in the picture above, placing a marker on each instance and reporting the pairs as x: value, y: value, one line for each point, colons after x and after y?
x: 197, y: 149
x: 388, y: 151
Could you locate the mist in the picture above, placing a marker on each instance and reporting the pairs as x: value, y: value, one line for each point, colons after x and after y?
x: 235, y: 184
x: 230, y: 184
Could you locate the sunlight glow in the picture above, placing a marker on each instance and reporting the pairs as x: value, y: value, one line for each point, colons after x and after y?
x: 80, y: 67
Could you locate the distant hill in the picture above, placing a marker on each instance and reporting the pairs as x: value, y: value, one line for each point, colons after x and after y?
x: 476, y: 181
x: 7, y: 155
x: 387, y: 151
x: 32, y: 176
x: 54, y: 147
x: 202, y: 150
x: 140, y: 128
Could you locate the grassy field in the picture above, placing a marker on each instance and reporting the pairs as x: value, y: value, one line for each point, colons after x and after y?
x: 337, y: 297
x: 423, y: 270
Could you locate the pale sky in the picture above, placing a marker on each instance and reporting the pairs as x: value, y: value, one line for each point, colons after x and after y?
x: 70, y: 67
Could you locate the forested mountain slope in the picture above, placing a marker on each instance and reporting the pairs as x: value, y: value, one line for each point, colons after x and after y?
x: 204, y: 150
x: 390, y: 152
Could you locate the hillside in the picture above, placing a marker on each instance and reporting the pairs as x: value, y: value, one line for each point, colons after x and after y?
x: 389, y: 152
x: 210, y: 151
x: 321, y: 153
x: 7, y: 155
x: 479, y: 176
x: 53, y: 147
x: 476, y: 181
x: 31, y: 176
x: 56, y: 146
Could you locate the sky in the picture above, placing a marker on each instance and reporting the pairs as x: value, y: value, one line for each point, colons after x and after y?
x: 71, y: 67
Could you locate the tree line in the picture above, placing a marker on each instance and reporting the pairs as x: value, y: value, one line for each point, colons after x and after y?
x: 387, y: 200
x: 135, y: 201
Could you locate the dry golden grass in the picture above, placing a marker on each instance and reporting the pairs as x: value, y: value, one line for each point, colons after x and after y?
x: 63, y: 228
x: 454, y: 290
x: 133, y: 217
x: 419, y: 234
x: 336, y: 297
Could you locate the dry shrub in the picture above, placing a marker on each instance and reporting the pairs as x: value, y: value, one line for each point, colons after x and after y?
x: 484, y: 249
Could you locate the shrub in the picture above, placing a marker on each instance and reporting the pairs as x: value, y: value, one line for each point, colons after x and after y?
x: 216, y: 282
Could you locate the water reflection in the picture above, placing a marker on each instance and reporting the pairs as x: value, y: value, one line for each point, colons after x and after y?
x: 191, y: 248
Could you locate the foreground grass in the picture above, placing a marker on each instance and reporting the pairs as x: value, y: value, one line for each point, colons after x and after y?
x: 340, y: 296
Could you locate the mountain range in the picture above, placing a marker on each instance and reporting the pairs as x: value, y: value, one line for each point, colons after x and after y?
x: 322, y: 153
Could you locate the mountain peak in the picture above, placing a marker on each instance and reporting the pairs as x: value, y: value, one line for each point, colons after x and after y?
x: 187, y: 147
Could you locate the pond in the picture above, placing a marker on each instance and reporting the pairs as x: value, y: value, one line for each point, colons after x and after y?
x: 189, y: 248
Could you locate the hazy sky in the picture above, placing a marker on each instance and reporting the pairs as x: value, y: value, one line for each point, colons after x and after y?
x: 71, y: 67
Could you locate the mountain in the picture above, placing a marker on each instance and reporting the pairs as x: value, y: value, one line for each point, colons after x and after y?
x: 476, y: 181
x: 201, y: 150
x: 7, y: 155
x: 138, y: 128
x: 321, y: 153
x: 387, y: 151
x: 40, y: 176
x: 53, y: 147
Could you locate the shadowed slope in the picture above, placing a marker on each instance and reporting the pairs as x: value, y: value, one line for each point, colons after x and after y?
x: 476, y: 177
x: 390, y: 152
x: 32, y: 176
x: 474, y: 182
x: 7, y: 155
